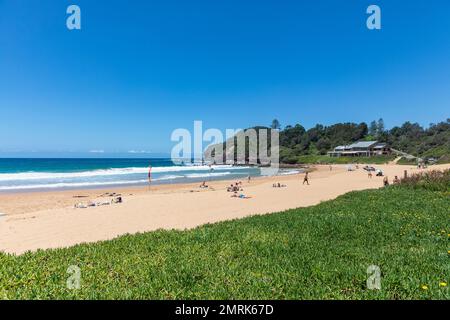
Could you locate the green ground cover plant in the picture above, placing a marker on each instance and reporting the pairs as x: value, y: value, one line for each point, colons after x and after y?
x: 319, y: 252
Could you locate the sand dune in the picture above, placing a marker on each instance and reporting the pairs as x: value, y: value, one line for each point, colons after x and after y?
x: 49, y: 220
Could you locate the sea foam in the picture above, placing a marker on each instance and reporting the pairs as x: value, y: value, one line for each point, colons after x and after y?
x: 109, y: 172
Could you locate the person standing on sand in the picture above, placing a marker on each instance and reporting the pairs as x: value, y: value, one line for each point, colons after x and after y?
x: 369, y: 175
x: 149, y: 175
x: 306, y: 179
x: 248, y: 178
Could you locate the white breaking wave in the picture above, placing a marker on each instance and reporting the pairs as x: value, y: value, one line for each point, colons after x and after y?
x: 206, y: 175
x: 86, y: 184
x: 69, y: 185
x: 286, y: 173
x: 169, y: 177
x: 108, y: 172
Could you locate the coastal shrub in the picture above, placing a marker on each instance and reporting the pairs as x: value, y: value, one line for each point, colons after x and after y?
x: 444, y: 159
x: 434, y: 180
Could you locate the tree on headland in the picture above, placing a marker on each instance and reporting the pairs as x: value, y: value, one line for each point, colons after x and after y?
x: 376, y: 130
x: 296, y: 141
x: 373, y: 129
x: 410, y: 137
x: 380, y: 127
x: 275, y: 124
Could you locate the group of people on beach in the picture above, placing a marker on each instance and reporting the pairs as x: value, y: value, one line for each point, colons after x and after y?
x: 379, y: 173
x: 235, y: 187
x: 115, y: 199
x: 421, y: 165
x: 386, y: 181
x: 278, y: 185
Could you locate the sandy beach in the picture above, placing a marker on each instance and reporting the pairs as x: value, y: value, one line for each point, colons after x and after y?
x: 43, y: 220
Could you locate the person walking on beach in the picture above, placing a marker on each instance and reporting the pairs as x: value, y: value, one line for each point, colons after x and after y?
x: 385, y: 182
x: 149, y: 175
x: 306, y: 179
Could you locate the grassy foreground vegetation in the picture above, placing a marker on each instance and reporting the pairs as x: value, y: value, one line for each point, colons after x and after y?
x: 319, y: 252
x: 434, y: 180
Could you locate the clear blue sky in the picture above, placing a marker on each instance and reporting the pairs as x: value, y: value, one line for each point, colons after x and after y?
x: 139, y: 69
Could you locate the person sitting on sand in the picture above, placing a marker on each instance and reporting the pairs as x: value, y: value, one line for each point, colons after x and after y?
x: 117, y: 200
x: 236, y: 195
x: 385, y: 181
x: 396, y: 180
x: 306, y: 179
x: 204, y: 185
x: 240, y: 196
x: 278, y: 185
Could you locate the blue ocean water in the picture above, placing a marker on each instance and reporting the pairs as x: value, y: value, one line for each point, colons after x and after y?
x: 42, y: 174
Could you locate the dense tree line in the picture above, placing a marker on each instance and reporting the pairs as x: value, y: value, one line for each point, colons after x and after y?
x: 412, y: 138
x: 296, y: 141
x: 433, y: 141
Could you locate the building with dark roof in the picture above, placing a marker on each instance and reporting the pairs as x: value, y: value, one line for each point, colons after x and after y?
x: 361, y: 149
